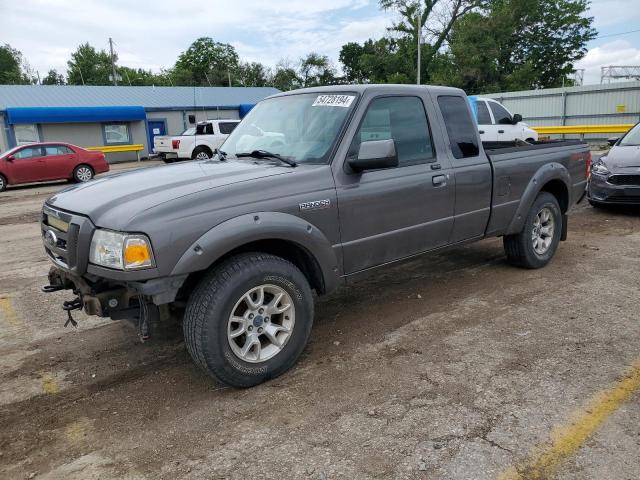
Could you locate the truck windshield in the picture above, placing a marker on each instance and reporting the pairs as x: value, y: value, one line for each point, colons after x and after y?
x: 300, y: 127
x: 632, y: 137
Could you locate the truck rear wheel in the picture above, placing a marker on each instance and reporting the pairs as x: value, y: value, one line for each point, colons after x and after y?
x: 538, y: 241
x: 201, y: 153
x: 249, y: 319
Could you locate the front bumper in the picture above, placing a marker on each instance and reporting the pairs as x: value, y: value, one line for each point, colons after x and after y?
x: 601, y: 191
x: 102, y: 291
x: 117, y: 300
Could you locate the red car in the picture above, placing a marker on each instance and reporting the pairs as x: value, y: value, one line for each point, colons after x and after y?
x: 39, y: 162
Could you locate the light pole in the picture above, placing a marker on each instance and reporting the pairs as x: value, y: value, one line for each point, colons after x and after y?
x: 419, y: 31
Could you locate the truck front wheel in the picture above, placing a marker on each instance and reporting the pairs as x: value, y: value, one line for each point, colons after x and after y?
x: 249, y: 319
x: 538, y: 241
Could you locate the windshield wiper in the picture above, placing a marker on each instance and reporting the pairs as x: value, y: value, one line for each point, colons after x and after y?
x: 264, y: 154
x: 221, y: 154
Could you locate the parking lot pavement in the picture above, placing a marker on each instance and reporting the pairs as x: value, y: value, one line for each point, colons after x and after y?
x: 456, y: 366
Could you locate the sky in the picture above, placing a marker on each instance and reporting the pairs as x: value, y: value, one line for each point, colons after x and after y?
x: 151, y: 35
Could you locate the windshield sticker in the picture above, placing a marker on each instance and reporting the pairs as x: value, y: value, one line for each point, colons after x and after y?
x: 333, y: 101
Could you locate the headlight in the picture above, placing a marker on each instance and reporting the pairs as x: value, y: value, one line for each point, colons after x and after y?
x: 120, y: 250
x: 600, y: 168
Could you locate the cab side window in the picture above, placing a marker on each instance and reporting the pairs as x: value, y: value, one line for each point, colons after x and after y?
x: 500, y: 114
x: 28, y: 153
x: 484, y: 118
x: 402, y: 119
x: 463, y: 136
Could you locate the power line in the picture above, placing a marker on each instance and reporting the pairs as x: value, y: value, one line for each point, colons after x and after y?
x: 616, y: 34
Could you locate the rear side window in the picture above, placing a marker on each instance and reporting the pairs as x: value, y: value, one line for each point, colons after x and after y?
x: 227, y: 127
x: 483, y: 114
x: 500, y: 114
x: 57, y: 150
x: 460, y: 126
x: 402, y: 119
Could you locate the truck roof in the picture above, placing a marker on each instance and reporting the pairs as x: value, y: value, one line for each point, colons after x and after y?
x: 381, y: 88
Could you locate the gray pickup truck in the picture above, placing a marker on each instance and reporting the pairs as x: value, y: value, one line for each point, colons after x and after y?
x: 314, y: 189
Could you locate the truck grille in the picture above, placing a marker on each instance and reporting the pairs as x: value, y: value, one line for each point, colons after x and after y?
x: 60, y: 234
x: 624, y: 180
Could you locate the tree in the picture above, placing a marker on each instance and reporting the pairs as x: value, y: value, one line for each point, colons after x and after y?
x: 285, y: 77
x: 316, y: 70
x: 381, y: 61
x: 209, y: 62
x: 520, y: 44
x: 252, y: 74
x: 88, y: 66
x: 434, y: 18
x: 53, y: 78
x: 13, y: 69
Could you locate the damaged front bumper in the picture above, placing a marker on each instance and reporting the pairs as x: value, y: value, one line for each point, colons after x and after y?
x: 146, y: 304
x: 100, y: 291
x: 107, y: 298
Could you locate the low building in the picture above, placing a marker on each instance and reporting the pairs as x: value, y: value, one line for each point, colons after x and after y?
x: 97, y: 116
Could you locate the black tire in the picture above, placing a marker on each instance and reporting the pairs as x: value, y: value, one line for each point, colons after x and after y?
x: 83, y: 173
x: 210, y: 306
x: 201, y: 151
x: 3, y: 183
x: 520, y: 247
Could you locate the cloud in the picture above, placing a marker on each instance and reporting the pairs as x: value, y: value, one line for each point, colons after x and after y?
x: 607, y: 13
x: 152, y: 34
x: 617, y: 52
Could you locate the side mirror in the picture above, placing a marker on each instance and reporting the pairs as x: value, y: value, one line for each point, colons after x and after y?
x: 375, y: 154
x: 10, y: 158
x: 192, y: 119
x: 612, y: 141
x: 517, y: 118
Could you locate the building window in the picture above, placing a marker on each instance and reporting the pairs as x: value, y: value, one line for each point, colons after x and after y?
x: 116, y: 133
x: 26, y: 134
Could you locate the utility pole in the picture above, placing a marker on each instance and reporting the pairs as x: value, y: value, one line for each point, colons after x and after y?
x: 419, y: 30
x: 113, y: 63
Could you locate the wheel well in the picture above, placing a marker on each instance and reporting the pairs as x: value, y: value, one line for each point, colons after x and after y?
x: 84, y: 165
x: 288, y: 250
x: 204, y: 147
x: 558, y: 189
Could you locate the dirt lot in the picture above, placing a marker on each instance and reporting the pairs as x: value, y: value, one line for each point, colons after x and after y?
x: 456, y: 366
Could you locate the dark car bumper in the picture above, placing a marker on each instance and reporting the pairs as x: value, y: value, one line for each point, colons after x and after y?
x: 601, y: 190
x: 100, y: 291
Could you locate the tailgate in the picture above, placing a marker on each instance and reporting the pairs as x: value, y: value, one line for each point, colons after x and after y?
x: 162, y: 144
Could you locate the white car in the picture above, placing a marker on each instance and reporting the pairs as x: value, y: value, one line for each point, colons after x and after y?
x: 497, y: 124
x: 199, y: 142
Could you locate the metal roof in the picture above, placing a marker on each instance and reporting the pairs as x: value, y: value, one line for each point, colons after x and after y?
x: 147, y: 97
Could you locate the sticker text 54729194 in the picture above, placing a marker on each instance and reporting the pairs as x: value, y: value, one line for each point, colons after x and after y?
x: 333, y: 101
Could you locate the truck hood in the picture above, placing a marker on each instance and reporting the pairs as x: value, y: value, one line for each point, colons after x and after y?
x: 114, y: 200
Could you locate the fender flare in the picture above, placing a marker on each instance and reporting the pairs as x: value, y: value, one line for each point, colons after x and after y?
x: 252, y: 227
x: 546, y: 173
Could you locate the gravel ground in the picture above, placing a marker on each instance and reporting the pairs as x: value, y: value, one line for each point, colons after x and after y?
x: 455, y: 366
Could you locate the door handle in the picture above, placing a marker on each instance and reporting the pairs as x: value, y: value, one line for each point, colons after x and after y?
x: 500, y: 131
x: 439, y: 180
x: 436, y: 166
x: 481, y: 132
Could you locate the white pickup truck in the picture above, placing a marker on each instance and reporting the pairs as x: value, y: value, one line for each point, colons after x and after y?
x: 199, y: 142
x: 497, y: 124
